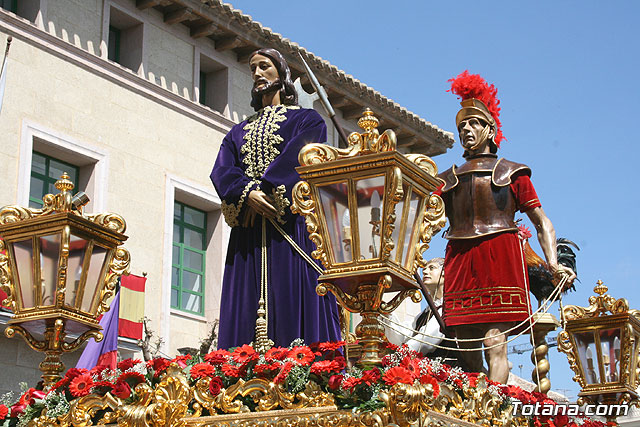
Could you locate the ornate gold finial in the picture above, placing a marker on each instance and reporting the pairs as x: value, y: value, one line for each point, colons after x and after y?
x: 600, y: 288
x: 64, y: 183
x: 368, y: 121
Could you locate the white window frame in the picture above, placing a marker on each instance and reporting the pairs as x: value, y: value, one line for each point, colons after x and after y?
x: 206, y: 199
x: 73, y: 152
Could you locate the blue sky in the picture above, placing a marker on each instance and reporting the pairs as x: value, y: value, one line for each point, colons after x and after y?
x: 567, y: 77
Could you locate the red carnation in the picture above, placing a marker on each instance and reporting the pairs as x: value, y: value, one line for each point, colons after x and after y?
x: 266, y: 369
x: 127, y: 364
x: 182, y: 360
x: 325, y: 366
x: 396, y: 375
x: 412, y: 365
x: 121, y: 390
x: 233, y: 371
x: 244, y: 354
x: 132, y: 378
x: 391, y: 346
x: 102, y: 387
x: 215, y: 385
x: 335, y: 381
x: 351, y: 382
x: 331, y: 345
x: 276, y: 353
x: 371, y: 377
x: 428, y: 379
x: 81, y: 385
x: 74, y: 372
x: 158, y: 365
x: 282, y: 375
x: 62, y: 383
x: 441, y: 375
x: 97, y: 370
x: 217, y: 357
x: 201, y: 370
x: 4, y: 411
x: 302, y: 355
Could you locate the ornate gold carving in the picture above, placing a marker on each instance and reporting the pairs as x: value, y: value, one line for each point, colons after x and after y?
x: 349, y: 302
x: 598, y: 305
x: 168, y: 405
x: 281, y: 203
x: 267, y: 396
x: 432, y: 222
x: 394, y: 195
x: 11, y: 214
x: 5, y: 278
x: 118, y: 266
x: 111, y: 221
x: 423, y: 162
x: 388, y: 307
x: 368, y: 142
x: 543, y: 324
x: 304, y: 205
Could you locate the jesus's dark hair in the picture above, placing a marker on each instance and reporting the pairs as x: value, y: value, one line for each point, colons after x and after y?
x: 288, y: 94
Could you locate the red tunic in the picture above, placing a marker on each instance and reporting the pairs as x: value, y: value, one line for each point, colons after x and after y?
x: 485, y: 278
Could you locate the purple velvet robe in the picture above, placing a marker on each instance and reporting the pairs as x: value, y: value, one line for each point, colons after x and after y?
x: 272, y: 140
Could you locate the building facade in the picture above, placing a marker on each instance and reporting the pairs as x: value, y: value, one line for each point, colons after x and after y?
x: 132, y: 98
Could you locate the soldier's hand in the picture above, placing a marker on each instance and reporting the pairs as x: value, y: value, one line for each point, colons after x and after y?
x: 560, y: 272
x: 261, y: 204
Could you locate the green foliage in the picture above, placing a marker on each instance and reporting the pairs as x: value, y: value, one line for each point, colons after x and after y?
x: 56, y: 404
x: 297, y: 379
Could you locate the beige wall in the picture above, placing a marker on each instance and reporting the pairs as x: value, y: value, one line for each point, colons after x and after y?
x: 148, y: 139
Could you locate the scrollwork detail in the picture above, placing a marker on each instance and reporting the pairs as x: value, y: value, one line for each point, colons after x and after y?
x: 395, y: 195
x: 423, y: 162
x: 5, y: 278
x: 433, y: 221
x: 566, y: 346
x: 118, y: 266
x: 304, y: 205
x: 111, y: 221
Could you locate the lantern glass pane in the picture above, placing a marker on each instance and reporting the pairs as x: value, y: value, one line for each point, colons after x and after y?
x: 588, y: 356
x: 369, y: 194
x: 94, y: 281
x: 335, y: 205
x: 23, y: 252
x: 610, y: 345
x: 410, y: 230
x: 77, y: 251
x: 395, y: 235
x: 49, y: 258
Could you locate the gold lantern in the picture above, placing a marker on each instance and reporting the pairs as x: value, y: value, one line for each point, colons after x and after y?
x: 370, y: 212
x: 603, y: 348
x: 59, y: 267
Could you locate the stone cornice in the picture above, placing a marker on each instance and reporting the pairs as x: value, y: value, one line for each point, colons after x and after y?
x: 230, y: 29
x: 26, y: 32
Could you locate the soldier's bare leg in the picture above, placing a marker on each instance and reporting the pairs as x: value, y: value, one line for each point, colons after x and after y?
x: 496, y: 351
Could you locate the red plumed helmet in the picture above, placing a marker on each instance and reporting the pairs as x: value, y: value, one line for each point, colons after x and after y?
x: 471, y: 88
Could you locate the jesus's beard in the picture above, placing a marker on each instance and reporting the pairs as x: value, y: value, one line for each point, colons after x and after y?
x: 260, y: 91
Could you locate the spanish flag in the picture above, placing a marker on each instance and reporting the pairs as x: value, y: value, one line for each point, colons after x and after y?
x: 131, y: 306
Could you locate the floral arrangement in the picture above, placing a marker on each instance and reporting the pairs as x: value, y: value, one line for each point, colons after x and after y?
x: 292, y: 368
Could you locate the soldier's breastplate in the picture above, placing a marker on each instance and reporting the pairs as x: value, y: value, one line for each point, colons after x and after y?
x: 476, y: 207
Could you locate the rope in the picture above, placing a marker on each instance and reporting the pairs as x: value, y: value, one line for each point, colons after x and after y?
x: 263, y: 280
x: 297, y: 248
x: 546, y: 305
